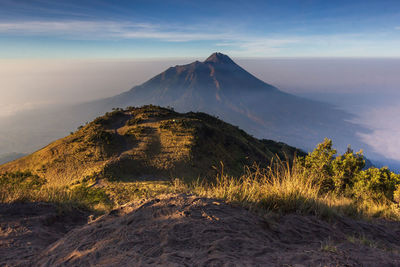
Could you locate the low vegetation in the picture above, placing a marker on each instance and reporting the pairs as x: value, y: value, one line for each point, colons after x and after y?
x: 26, y: 187
x: 320, y: 183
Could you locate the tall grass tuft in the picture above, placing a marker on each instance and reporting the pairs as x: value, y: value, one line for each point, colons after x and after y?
x: 26, y: 187
x: 285, y: 188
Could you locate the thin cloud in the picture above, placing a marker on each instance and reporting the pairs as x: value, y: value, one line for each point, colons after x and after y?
x: 170, y: 36
x: 98, y: 29
x: 105, y: 29
x: 123, y: 30
x: 126, y: 30
x: 235, y: 42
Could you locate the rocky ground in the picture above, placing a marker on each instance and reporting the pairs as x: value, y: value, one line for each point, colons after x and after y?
x: 182, y: 230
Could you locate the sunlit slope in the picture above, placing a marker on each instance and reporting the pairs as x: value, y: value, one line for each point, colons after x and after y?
x: 149, y: 143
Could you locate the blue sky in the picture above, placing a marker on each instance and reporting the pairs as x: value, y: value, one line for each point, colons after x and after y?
x: 164, y: 29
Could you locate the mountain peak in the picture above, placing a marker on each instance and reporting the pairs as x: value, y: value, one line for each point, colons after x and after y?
x: 219, y: 58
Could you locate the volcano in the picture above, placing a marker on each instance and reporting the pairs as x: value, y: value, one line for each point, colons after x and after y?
x: 217, y: 86
x: 220, y: 87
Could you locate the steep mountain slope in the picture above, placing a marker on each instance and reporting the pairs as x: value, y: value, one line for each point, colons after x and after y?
x: 148, y: 143
x: 217, y: 86
x: 198, y: 86
x: 221, y: 87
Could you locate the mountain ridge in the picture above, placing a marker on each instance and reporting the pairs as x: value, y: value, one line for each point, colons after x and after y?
x: 149, y: 143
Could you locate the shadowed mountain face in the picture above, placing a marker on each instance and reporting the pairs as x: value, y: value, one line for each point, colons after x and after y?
x: 210, y: 85
x: 217, y: 86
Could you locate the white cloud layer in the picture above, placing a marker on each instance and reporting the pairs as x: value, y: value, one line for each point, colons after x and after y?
x: 385, y: 122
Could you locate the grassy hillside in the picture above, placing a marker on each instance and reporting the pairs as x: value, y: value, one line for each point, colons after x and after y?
x: 148, y: 143
x: 319, y: 183
x: 143, y: 152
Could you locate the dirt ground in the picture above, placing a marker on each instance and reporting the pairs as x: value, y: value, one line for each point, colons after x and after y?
x: 182, y: 230
x: 26, y: 229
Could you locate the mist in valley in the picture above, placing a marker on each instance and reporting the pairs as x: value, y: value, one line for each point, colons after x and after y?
x: 365, y: 88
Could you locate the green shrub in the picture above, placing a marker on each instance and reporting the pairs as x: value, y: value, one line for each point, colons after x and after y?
x: 90, y: 196
x: 345, y: 169
x: 396, y: 194
x: 344, y: 174
x: 102, y: 137
x: 318, y: 166
x: 23, y: 180
x: 101, y: 120
x: 134, y: 121
x: 378, y: 184
x: 114, y: 113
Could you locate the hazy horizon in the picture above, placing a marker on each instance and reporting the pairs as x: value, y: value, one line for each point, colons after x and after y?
x: 345, y: 53
x: 367, y: 88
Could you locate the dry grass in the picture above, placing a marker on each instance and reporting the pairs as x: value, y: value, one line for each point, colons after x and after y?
x: 123, y: 192
x: 280, y: 188
x: 284, y: 189
x: 66, y: 198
